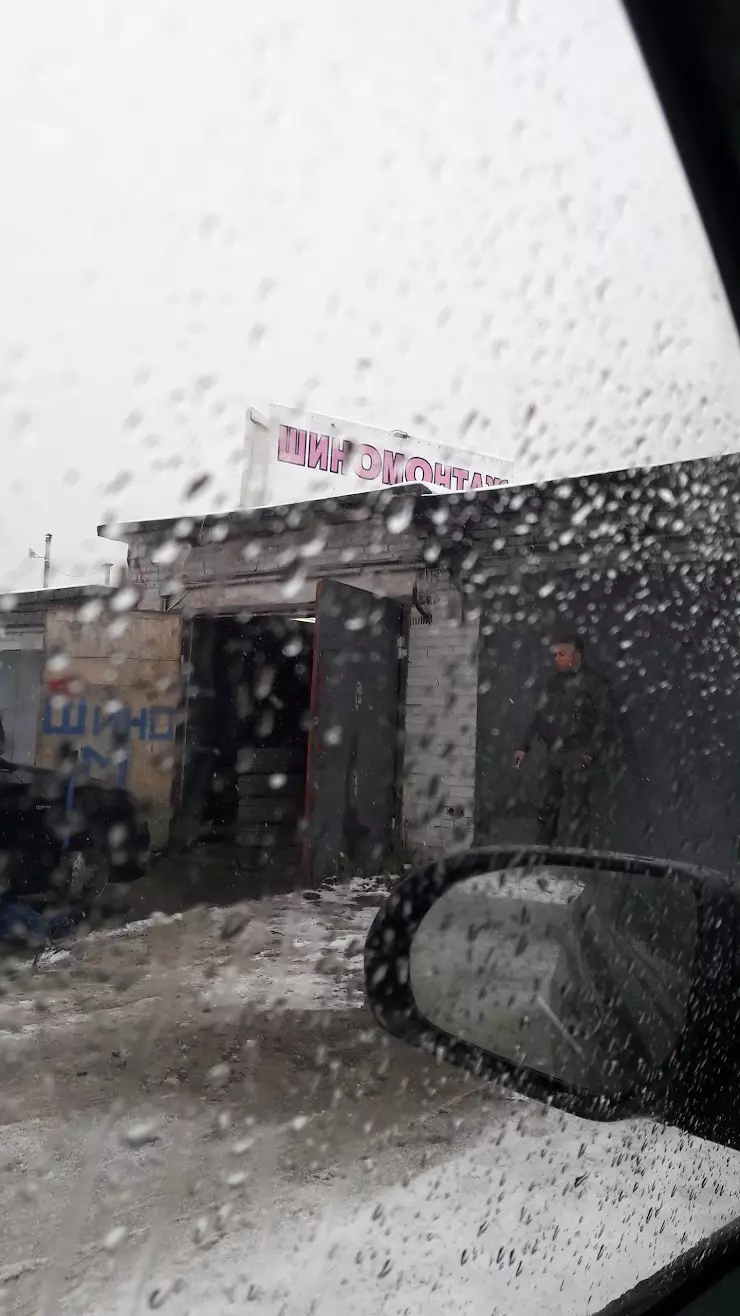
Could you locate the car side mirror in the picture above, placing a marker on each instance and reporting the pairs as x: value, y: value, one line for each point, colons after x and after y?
x: 604, y: 984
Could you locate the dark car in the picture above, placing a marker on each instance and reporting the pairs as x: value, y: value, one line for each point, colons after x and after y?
x: 65, y: 837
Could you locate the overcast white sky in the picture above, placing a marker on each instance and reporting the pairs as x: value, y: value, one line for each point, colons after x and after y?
x: 400, y: 212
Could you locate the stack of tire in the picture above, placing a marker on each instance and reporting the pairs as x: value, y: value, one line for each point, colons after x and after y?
x: 271, y: 785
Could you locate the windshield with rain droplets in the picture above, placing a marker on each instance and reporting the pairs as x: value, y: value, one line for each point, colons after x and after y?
x: 369, y: 391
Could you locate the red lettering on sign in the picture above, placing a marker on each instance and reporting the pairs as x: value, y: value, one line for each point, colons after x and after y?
x: 339, y: 450
x: 442, y: 475
x: 318, y: 452
x: 393, y: 467
x: 416, y: 464
x: 292, y: 445
x: 368, y: 467
x: 322, y: 453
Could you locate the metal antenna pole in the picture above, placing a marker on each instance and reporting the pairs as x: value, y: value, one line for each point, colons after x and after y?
x: 47, y: 560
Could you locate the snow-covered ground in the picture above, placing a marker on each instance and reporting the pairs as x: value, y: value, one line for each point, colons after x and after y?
x: 198, y: 1114
x: 556, y: 1217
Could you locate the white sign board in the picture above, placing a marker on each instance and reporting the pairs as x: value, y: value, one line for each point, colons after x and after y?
x: 292, y: 456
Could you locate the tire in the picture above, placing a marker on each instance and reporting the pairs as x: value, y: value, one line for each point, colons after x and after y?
x: 86, y: 875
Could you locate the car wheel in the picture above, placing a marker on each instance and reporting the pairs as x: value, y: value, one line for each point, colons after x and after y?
x: 86, y: 875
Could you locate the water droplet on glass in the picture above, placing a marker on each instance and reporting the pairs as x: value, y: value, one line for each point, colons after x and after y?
x: 201, y: 1231
x: 114, y: 1238
x: 243, y: 1146
x: 166, y: 554
x: 160, y: 1293
x: 264, y: 682
x: 218, y: 1075
x: 141, y: 1133
x: 401, y: 516
x: 293, y: 584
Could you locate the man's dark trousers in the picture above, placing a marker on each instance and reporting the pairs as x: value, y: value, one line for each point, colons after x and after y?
x: 568, y: 782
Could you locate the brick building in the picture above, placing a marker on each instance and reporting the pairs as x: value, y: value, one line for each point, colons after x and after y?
x: 231, y: 578
x: 423, y: 626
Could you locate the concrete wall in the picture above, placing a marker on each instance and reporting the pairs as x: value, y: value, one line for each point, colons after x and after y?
x: 441, y: 717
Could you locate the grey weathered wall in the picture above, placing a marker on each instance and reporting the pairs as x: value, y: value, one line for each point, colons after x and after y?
x: 668, y: 781
x: 441, y: 717
x: 268, y: 569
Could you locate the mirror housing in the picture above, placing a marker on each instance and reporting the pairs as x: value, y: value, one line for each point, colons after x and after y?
x: 694, y: 1087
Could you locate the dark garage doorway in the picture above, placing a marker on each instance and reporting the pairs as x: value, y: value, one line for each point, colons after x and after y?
x: 292, y: 739
x: 244, y: 782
